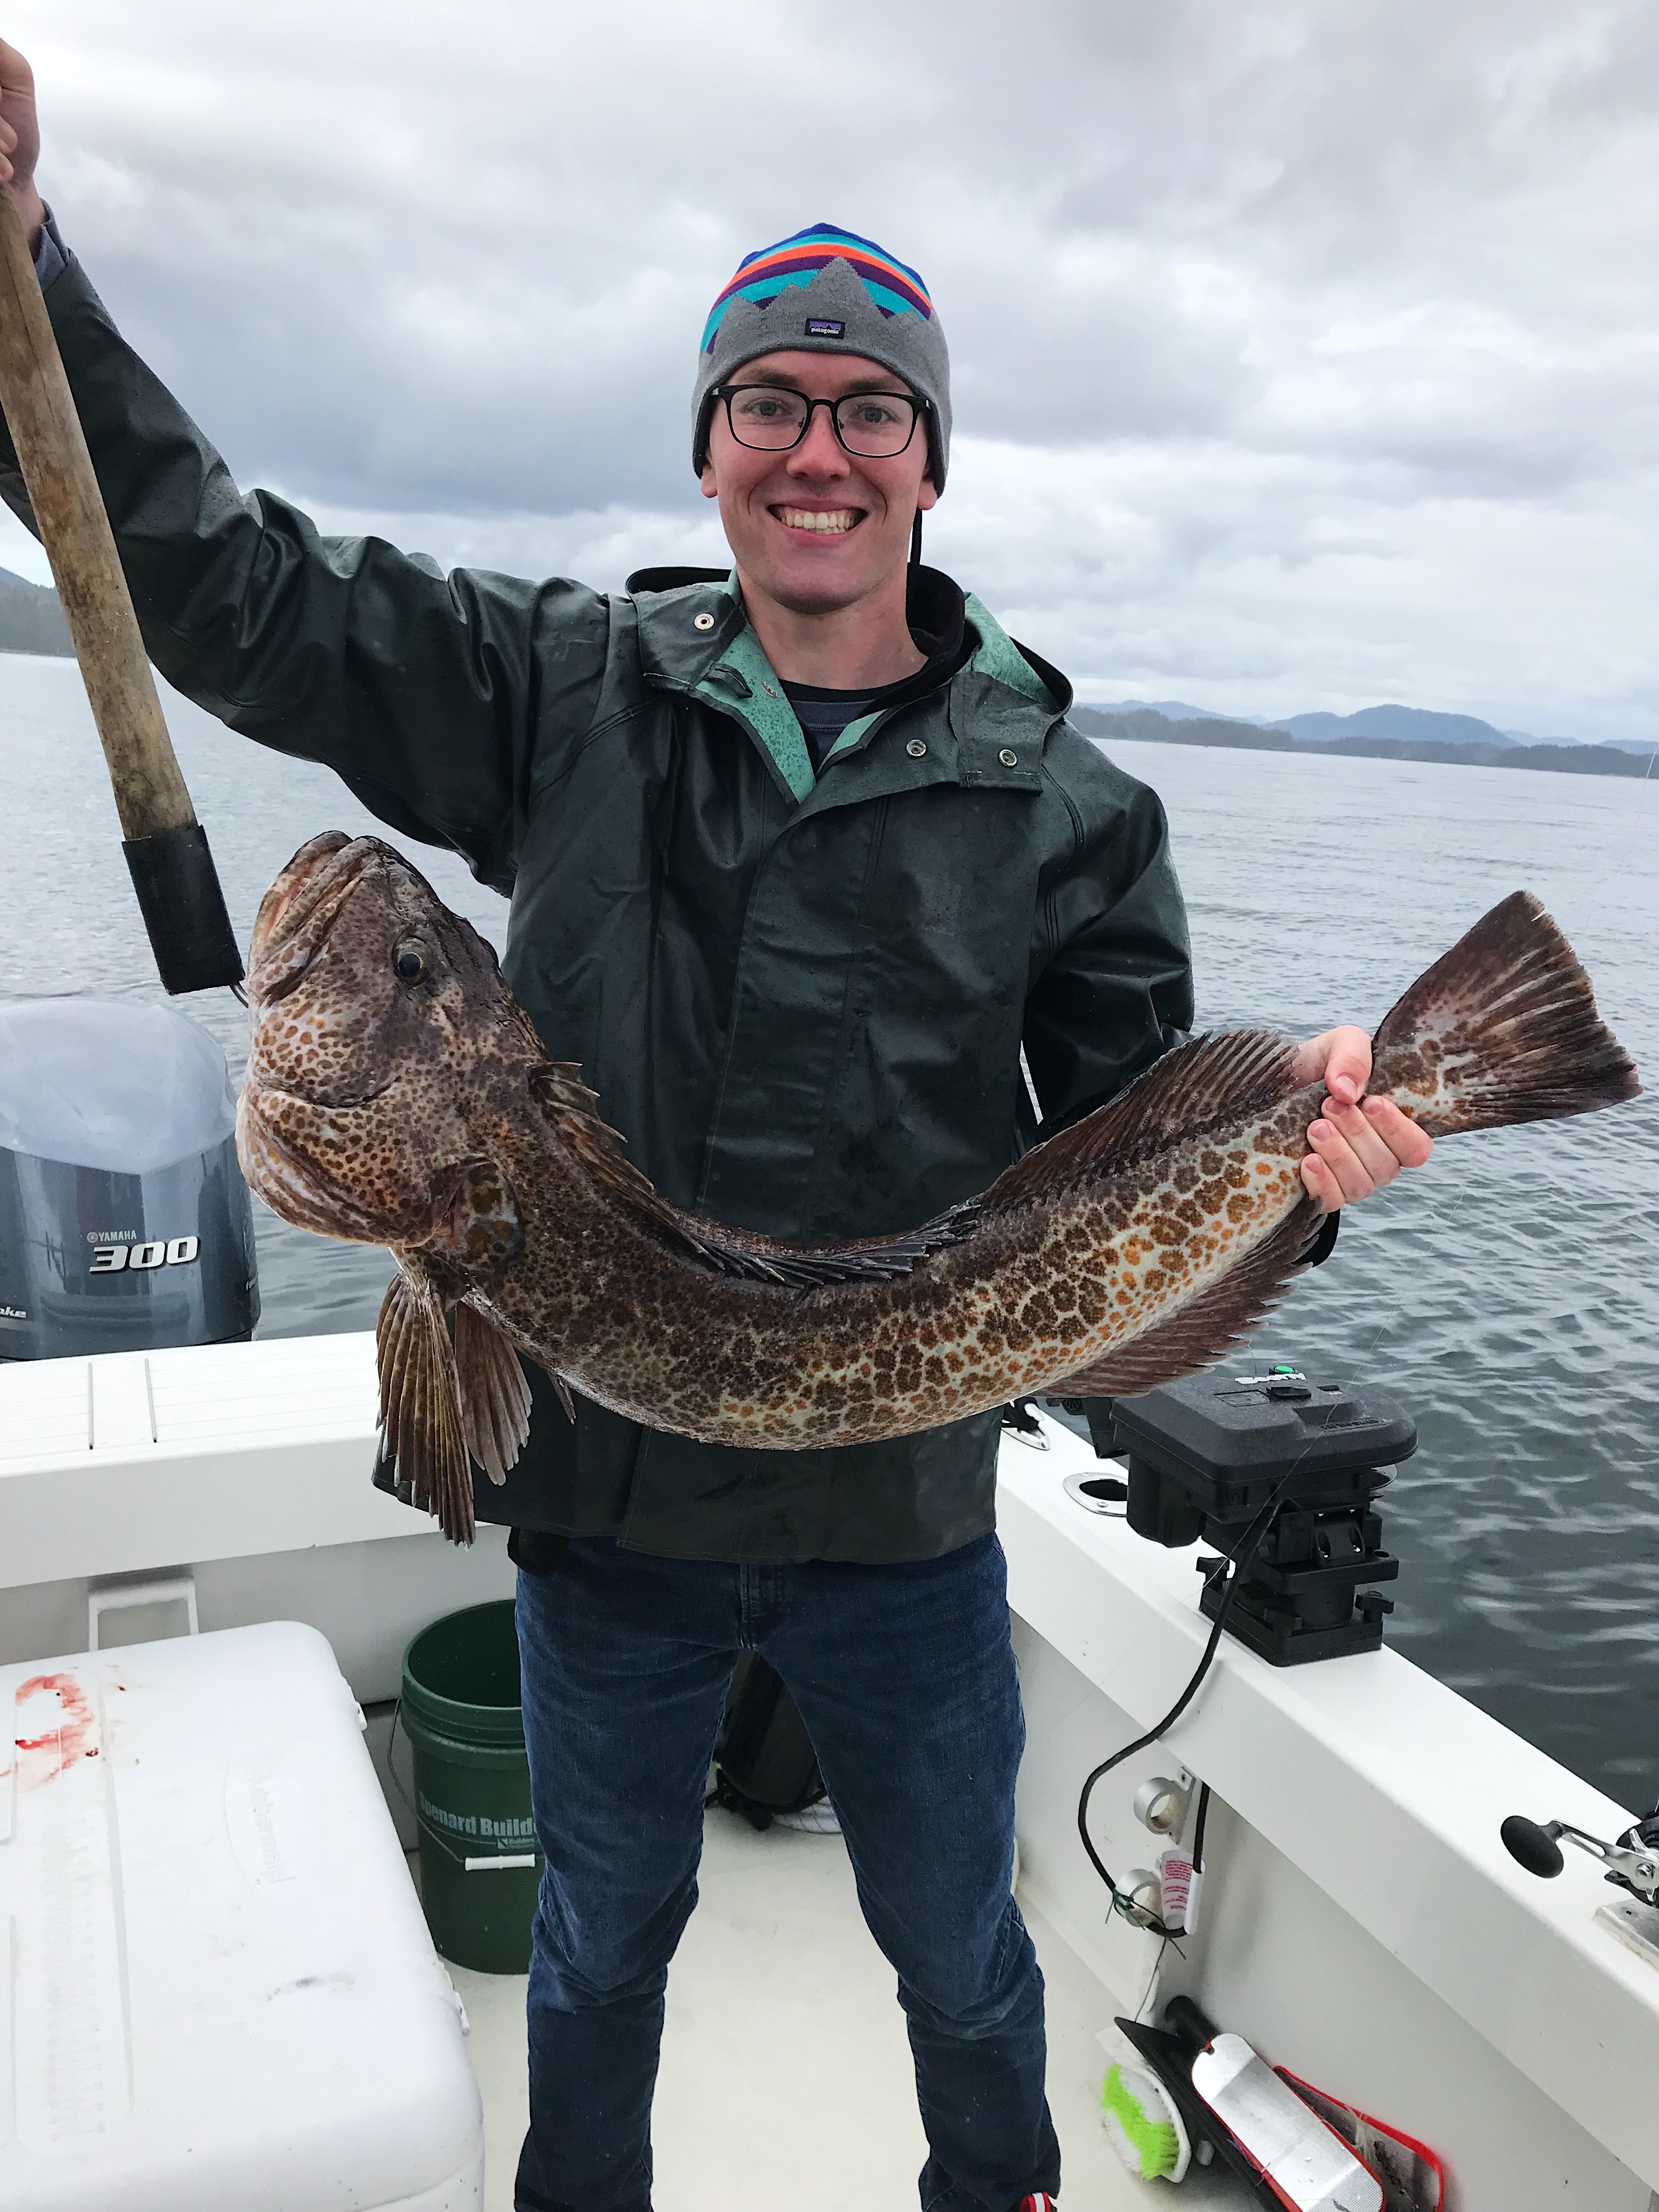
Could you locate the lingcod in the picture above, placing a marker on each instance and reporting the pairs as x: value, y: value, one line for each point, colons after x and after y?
x: 397, y: 1094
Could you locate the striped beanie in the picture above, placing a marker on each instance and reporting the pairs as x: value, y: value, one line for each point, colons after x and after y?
x: 827, y: 290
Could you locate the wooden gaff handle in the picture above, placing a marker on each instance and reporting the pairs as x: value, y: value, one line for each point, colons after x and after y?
x: 166, y: 848
x: 68, y: 511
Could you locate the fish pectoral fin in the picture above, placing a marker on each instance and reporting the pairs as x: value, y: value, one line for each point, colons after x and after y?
x: 1211, y: 1079
x: 421, y: 1420
x: 494, y: 1396
x: 479, y: 1225
x: 1200, y: 1332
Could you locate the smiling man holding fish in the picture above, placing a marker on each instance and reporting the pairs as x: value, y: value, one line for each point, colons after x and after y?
x: 801, y: 857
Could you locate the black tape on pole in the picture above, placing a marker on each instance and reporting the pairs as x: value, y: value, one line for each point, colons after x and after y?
x: 183, y: 909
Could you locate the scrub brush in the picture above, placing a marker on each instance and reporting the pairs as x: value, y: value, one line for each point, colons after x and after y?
x: 1143, y: 2123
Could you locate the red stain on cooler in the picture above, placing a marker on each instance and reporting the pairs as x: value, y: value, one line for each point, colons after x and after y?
x: 61, y: 1734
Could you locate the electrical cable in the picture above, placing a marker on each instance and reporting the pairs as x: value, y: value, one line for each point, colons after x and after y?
x: 1242, y: 1552
x: 1252, y: 1537
x: 1198, y: 1827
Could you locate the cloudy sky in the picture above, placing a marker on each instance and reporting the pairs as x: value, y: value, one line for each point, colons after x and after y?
x: 1306, y: 353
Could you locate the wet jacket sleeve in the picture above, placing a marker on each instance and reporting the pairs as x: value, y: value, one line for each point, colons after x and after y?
x: 51, y: 254
x: 1115, y: 988
x: 431, y: 696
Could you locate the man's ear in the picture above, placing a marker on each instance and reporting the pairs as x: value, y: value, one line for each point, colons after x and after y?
x: 926, y: 495
x: 710, y: 487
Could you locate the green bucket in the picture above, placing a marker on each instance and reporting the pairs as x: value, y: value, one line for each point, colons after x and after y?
x: 480, y: 1866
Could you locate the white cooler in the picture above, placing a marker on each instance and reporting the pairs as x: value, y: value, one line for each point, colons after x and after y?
x: 217, y: 1993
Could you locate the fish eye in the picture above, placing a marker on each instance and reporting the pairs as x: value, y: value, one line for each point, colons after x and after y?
x: 409, y: 965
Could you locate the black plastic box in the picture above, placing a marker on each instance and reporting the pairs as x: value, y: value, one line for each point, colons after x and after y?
x: 1206, y: 1457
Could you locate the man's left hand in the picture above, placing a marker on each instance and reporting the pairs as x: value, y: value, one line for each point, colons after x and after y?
x: 1359, y: 1143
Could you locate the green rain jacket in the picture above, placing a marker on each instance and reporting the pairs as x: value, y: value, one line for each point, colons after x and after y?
x: 802, y: 1001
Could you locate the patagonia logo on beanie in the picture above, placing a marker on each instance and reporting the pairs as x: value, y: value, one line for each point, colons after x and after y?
x: 828, y: 290
x: 895, y: 289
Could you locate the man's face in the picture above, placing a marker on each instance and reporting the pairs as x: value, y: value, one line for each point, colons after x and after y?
x: 766, y: 498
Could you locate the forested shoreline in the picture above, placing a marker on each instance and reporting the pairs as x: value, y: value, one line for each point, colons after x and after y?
x: 1146, y: 726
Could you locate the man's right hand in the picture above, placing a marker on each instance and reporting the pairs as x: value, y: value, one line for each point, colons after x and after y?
x: 19, y: 140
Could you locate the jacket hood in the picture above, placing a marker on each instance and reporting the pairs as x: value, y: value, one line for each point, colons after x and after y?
x: 680, y: 649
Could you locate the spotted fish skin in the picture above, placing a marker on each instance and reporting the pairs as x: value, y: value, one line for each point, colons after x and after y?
x: 1034, y: 1293
x: 396, y: 1093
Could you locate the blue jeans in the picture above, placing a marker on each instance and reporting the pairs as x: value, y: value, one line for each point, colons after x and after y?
x: 905, y: 1677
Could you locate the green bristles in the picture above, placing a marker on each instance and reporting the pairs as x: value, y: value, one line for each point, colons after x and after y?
x: 1147, y: 2144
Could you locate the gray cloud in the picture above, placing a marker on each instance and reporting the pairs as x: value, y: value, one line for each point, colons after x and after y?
x: 1303, y: 355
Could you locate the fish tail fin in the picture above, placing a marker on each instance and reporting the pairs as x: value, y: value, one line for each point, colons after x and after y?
x: 1502, y: 1028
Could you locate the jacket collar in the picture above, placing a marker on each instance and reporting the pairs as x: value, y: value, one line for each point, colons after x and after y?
x: 696, y: 638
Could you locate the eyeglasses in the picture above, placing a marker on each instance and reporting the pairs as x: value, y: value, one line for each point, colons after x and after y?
x: 772, y: 419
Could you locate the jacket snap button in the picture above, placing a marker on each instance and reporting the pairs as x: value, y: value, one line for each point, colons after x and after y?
x: 702, y: 621
x: 915, y: 748
x: 1008, y: 756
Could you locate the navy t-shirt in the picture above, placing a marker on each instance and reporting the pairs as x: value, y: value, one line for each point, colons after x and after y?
x: 935, y: 617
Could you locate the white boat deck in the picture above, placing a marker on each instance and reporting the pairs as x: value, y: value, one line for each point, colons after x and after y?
x: 1361, y: 1923
x: 785, y: 2076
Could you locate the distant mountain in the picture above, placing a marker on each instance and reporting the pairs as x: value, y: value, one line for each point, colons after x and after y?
x: 1151, y: 725
x: 1111, y: 726
x: 1412, y: 726
x: 1643, y: 747
x: 31, y: 620
x: 1177, y: 710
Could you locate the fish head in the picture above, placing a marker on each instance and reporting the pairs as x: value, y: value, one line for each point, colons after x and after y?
x: 382, y: 1033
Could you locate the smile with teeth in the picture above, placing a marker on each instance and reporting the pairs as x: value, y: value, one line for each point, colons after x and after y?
x: 836, y: 519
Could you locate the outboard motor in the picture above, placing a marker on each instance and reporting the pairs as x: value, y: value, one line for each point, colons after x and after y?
x: 124, y: 1223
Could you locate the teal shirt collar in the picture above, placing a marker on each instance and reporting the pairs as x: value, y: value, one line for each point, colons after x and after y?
x: 696, y: 637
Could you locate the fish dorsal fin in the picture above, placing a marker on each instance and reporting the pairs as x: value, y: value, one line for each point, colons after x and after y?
x: 494, y: 1396
x: 421, y: 1422
x: 1197, y: 1335
x: 742, y: 1253
x: 1211, y: 1080
x: 558, y: 1089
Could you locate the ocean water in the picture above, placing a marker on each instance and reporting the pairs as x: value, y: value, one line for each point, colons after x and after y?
x: 1507, y: 1295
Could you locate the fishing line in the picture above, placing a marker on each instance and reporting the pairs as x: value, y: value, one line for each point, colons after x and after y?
x: 1167, y: 1943
x: 1636, y: 827
x: 1616, y: 870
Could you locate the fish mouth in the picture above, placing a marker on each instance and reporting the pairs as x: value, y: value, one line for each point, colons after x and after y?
x: 258, y: 1080
x: 301, y: 907
x: 294, y: 1187
x: 291, y: 1187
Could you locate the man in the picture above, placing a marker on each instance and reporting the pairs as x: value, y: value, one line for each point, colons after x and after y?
x: 799, y: 859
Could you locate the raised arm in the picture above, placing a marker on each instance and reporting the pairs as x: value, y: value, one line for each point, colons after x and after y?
x: 429, y: 694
